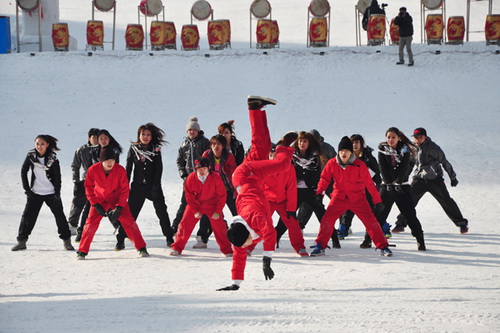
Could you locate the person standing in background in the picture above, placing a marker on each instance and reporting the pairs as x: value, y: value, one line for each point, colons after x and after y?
x: 405, y: 23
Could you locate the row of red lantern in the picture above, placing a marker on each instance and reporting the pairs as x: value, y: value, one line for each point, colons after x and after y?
x: 434, y: 28
x: 163, y: 34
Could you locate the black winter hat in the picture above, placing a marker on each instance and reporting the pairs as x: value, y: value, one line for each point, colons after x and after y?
x: 202, y: 163
x: 345, y: 143
x: 107, y: 153
x: 237, y: 234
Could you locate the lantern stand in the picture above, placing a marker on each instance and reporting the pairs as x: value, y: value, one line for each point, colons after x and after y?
x: 309, y: 19
x: 423, y: 10
x: 93, y: 47
x: 146, y: 21
x: 39, y: 16
x: 358, y: 17
x: 490, y: 11
x: 270, y: 15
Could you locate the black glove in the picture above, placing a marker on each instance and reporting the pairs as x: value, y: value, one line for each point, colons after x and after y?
x: 30, y: 194
x: 454, y: 182
x: 155, y: 192
x: 100, y: 210
x: 114, y: 214
x: 379, y: 208
x: 183, y: 174
x: 399, y: 189
x: 319, y: 199
x: 231, y: 287
x: 291, y: 215
x: 266, y: 267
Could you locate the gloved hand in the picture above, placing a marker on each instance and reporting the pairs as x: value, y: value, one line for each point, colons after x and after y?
x: 114, y: 214
x: 231, y: 287
x: 155, y: 192
x: 399, y: 189
x: 266, y: 267
x: 379, y: 208
x: 319, y: 199
x: 291, y: 215
x: 454, y: 182
x: 100, y: 209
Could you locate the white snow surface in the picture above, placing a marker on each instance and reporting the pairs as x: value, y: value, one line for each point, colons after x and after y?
x: 453, y: 287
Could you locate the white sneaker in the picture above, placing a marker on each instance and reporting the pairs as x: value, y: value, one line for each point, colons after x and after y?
x: 175, y: 253
x: 199, y: 243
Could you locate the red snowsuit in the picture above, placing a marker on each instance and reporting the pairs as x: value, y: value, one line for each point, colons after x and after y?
x: 208, y: 198
x: 281, y: 192
x: 249, y: 176
x: 349, y: 193
x: 109, y: 191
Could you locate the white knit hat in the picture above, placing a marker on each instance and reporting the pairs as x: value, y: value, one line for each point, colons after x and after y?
x: 193, y: 124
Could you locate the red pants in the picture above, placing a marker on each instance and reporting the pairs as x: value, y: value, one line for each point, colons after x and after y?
x: 187, y: 225
x: 252, y: 203
x: 364, y: 212
x: 126, y: 219
x: 294, y: 231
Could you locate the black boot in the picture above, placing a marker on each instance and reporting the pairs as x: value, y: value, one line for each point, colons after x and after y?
x: 21, y: 245
x: 421, y: 243
x: 335, y: 240
x: 367, y: 243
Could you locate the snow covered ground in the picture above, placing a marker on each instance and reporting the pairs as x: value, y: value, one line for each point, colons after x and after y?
x: 453, y: 287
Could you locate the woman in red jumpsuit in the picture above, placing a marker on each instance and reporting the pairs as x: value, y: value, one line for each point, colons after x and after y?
x: 352, y: 179
x: 107, y: 189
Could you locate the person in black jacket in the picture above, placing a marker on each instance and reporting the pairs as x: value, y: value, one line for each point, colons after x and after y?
x: 394, y: 157
x: 234, y: 145
x: 372, y: 9
x: 191, y: 149
x: 308, y: 163
x: 82, y: 159
x: 44, y: 187
x: 328, y: 152
x: 144, y: 169
x: 405, y: 23
x: 428, y: 177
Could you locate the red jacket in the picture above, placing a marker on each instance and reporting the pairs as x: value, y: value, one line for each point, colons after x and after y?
x: 350, y: 182
x: 282, y: 188
x: 108, y: 190
x: 205, y: 198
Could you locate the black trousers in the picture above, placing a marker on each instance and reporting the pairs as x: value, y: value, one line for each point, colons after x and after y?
x: 32, y: 209
x: 439, y: 191
x: 306, y: 197
x: 138, y: 195
x: 205, y: 229
x: 405, y: 204
x: 180, y: 212
x: 77, y: 204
